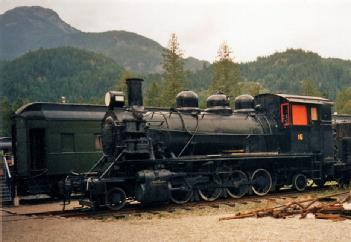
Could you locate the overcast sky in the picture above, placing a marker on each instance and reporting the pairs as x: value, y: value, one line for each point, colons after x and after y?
x: 251, y: 27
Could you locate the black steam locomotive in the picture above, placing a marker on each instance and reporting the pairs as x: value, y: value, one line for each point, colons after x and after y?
x: 160, y: 155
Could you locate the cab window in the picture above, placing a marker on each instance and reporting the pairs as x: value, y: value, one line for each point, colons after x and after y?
x: 314, y: 114
x: 299, y: 115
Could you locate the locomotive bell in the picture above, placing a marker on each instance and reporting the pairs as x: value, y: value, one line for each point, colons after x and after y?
x: 114, y: 99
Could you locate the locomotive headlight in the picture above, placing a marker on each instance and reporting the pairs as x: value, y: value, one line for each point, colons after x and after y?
x: 114, y: 99
x: 107, y: 99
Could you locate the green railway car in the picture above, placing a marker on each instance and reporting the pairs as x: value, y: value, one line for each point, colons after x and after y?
x: 51, y: 140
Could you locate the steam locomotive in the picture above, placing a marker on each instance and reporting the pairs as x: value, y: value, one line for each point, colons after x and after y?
x: 185, y: 153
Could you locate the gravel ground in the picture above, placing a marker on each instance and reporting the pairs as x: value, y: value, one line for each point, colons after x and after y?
x: 181, y: 225
x: 187, y: 228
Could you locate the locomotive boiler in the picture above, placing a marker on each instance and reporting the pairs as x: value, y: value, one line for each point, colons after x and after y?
x: 185, y: 153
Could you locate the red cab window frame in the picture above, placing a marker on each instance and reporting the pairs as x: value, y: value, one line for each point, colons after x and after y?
x: 285, y: 117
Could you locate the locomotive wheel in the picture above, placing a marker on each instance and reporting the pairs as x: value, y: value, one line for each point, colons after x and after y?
x: 115, y: 198
x: 261, y: 182
x: 212, y: 190
x: 237, y: 184
x: 180, y: 191
x: 299, y: 182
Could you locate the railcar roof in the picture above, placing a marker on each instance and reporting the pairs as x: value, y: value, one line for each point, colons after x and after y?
x: 341, y: 118
x: 301, y: 99
x: 60, y: 111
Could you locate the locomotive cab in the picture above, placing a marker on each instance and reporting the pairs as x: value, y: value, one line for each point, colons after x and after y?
x: 306, y: 121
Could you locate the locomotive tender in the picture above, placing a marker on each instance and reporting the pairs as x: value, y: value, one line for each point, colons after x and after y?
x: 184, y: 153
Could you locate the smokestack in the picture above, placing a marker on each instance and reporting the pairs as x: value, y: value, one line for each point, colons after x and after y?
x: 135, y: 92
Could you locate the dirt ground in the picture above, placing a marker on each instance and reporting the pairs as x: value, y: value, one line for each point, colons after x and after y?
x: 180, y: 225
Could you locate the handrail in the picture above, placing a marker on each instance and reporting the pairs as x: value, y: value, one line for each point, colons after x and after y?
x: 96, y: 164
x: 111, y: 165
x: 7, y: 167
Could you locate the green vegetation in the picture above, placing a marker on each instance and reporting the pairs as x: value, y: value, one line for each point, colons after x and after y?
x: 343, y: 101
x: 7, y: 110
x: 173, y: 76
x: 226, y: 73
x: 152, y: 95
x: 293, y: 71
x: 309, y: 88
x: 84, y: 77
x: 200, y: 79
x: 121, y: 84
x: 285, y: 71
x: 47, y: 75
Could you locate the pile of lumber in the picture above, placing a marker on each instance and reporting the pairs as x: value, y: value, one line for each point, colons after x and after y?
x: 330, y: 207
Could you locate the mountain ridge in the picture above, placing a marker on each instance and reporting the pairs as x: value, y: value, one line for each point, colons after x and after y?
x: 48, y: 74
x: 30, y: 28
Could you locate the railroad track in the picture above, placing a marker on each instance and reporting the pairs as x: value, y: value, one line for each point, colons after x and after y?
x: 138, y: 210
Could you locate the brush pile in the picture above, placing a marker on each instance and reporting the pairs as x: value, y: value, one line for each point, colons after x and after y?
x: 336, y: 207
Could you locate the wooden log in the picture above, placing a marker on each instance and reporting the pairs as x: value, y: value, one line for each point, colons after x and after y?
x: 334, y: 217
x: 238, y: 217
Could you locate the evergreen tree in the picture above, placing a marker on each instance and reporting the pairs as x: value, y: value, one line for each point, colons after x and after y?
x: 121, y: 84
x: 152, y: 95
x: 174, y: 74
x: 309, y: 88
x: 346, y: 108
x: 7, y: 110
x: 343, y: 101
x: 226, y: 73
x: 252, y: 88
x: 48, y: 74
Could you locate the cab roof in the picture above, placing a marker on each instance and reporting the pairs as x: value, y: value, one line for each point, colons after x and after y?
x: 300, y: 99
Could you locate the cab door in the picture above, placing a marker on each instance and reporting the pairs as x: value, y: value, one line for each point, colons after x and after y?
x: 300, y: 129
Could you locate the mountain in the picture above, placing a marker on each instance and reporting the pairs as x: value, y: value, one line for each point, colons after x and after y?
x: 30, y: 28
x: 85, y: 76
x: 284, y: 72
x: 47, y: 75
